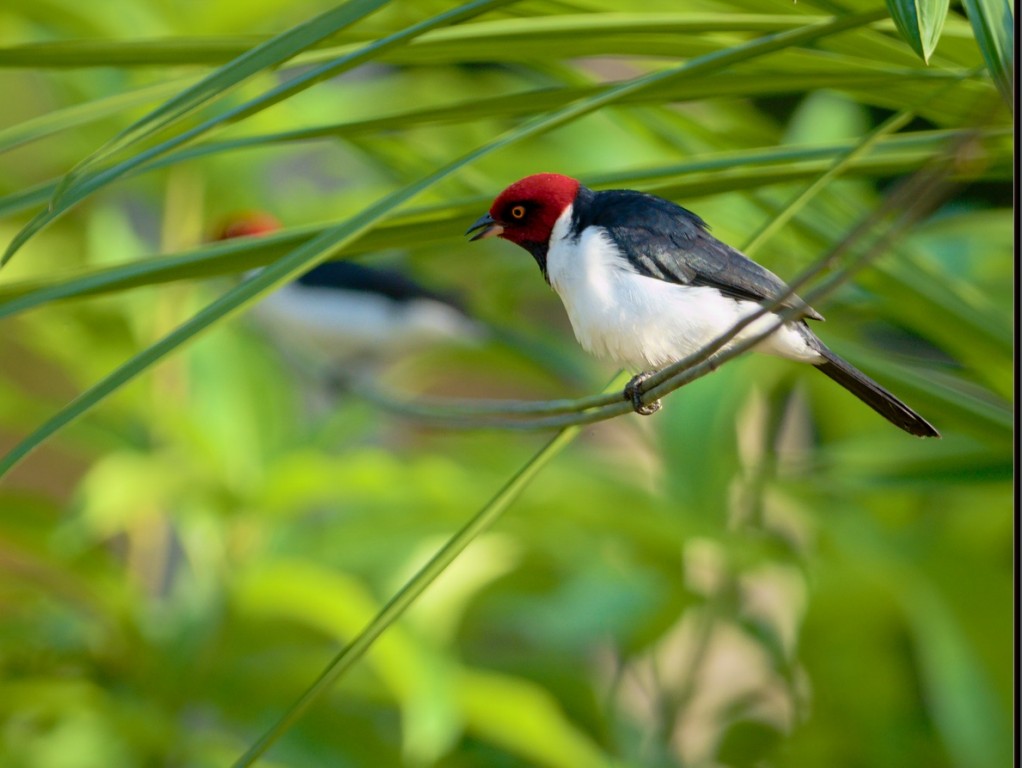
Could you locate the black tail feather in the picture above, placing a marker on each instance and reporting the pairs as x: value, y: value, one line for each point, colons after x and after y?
x: 875, y: 396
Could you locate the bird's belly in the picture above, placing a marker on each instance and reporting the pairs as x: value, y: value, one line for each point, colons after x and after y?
x: 642, y: 323
x: 339, y: 324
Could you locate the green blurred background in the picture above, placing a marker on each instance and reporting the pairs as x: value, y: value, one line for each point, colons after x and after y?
x: 764, y: 573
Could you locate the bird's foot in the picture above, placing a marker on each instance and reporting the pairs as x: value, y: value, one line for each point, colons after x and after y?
x: 633, y: 392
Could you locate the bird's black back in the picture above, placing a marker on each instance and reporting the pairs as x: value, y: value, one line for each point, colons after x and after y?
x: 664, y: 241
x: 394, y: 285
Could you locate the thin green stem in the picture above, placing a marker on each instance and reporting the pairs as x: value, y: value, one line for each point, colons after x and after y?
x: 773, y: 226
x: 400, y: 602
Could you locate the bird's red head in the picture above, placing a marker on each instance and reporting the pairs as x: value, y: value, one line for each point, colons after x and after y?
x: 247, y: 224
x: 525, y: 212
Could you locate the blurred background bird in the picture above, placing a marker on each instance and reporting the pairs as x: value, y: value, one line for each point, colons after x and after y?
x: 342, y: 317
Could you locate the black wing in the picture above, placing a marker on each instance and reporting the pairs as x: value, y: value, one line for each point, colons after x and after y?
x: 394, y: 285
x: 667, y: 242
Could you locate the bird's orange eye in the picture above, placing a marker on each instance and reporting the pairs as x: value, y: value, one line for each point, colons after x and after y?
x: 518, y: 212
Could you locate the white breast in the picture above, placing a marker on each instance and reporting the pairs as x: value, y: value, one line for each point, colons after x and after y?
x: 344, y: 323
x: 642, y: 323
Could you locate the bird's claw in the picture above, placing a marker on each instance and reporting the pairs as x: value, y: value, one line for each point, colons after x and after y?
x: 633, y: 392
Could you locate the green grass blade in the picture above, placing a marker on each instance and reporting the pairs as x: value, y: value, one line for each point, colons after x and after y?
x: 27, y: 198
x: 994, y: 28
x: 571, y: 34
x: 710, y: 174
x: 529, y: 102
x: 920, y: 23
x: 898, y: 152
x: 213, y: 260
x: 175, y: 51
x: 975, y: 408
x: 70, y: 196
x: 81, y: 114
x: 925, y: 83
x: 840, y: 166
x: 271, y: 53
x: 336, y: 238
x: 509, y: 39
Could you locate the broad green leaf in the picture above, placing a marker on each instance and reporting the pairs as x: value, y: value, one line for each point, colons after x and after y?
x: 920, y: 23
x: 959, y: 696
x: 994, y: 27
x: 340, y: 607
x: 408, y: 594
x: 527, y: 721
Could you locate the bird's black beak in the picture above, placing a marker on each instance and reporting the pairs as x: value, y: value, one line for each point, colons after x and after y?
x: 488, y: 227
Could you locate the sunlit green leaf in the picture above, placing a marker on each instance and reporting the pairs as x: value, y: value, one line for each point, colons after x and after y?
x: 994, y: 27
x: 920, y: 23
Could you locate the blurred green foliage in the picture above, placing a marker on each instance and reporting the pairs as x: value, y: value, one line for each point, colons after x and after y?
x: 763, y: 573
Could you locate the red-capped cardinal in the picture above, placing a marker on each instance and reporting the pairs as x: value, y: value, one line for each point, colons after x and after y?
x: 645, y: 284
x: 341, y: 311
